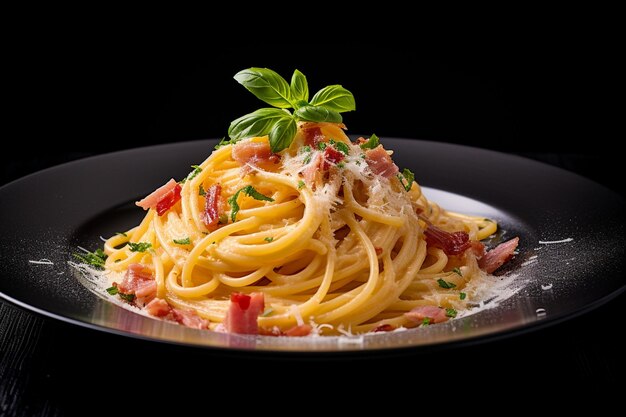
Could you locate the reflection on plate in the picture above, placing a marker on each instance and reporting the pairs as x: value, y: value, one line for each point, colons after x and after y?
x: 566, y: 263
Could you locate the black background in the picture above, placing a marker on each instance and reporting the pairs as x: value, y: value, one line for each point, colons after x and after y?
x: 548, y: 100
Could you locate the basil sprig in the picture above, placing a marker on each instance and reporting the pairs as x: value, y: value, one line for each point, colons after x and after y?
x: 278, y: 122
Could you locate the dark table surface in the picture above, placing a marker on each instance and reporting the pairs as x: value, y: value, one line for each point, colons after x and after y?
x: 51, y: 368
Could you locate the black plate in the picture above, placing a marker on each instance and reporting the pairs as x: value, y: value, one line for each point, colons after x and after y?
x: 47, y: 214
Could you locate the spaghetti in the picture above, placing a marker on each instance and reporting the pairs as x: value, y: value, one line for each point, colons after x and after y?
x: 325, y: 235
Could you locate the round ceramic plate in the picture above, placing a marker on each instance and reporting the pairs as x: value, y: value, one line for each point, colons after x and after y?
x: 571, y: 241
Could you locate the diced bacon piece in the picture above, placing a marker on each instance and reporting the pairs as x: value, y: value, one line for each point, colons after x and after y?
x: 380, y: 162
x: 478, y: 248
x: 137, y: 276
x: 435, y: 314
x: 243, y: 313
x: 331, y: 156
x: 168, y: 200
x: 152, y: 199
x: 189, y: 319
x: 256, y: 154
x: 313, y: 135
x: 146, y: 290
x: 497, y: 256
x: 451, y: 243
x: 212, y: 206
x: 158, y: 308
x: 384, y: 328
x: 139, y: 282
x: 299, y: 331
x: 311, y: 171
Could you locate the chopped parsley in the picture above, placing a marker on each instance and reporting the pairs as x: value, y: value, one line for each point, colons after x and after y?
x: 192, y: 174
x: 222, y: 219
x: 426, y: 321
x: 445, y: 284
x: 250, y: 191
x: 306, y: 160
x: 340, y: 146
x: 305, y: 149
x: 268, y: 311
x: 406, y: 179
x: 321, y: 146
x: 268, y: 239
x: 450, y: 312
x: 139, y: 246
x: 121, y: 234
x: 462, y: 296
x: 300, y: 184
x: 126, y: 297
x: 371, y: 143
x: 112, y: 290
x: 457, y: 271
x: 201, y: 191
x: 225, y: 142
x: 185, y: 241
x: 95, y: 258
x: 341, y: 165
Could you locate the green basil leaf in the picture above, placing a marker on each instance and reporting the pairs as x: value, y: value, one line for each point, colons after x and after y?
x: 267, y: 85
x: 334, y: 97
x: 282, y: 134
x: 299, y: 86
x: 258, y: 123
x: 317, y: 114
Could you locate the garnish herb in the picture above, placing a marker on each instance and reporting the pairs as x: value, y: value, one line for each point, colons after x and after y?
x: 426, y: 321
x: 406, y: 179
x: 268, y: 239
x: 304, y: 149
x: 268, y: 311
x: 95, y: 258
x: 371, y: 143
x: 278, y: 122
x: 126, y: 297
x: 340, y: 146
x: 457, y: 271
x: 462, y: 296
x: 300, y: 184
x: 341, y: 164
x: 112, y: 290
x: 450, y: 312
x: 185, y: 241
x: 321, y: 146
x: 201, y: 191
x: 121, y: 234
x: 192, y: 174
x: 224, y: 142
x: 445, y: 284
x: 139, y: 247
x: 222, y: 219
x: 249, y: 191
